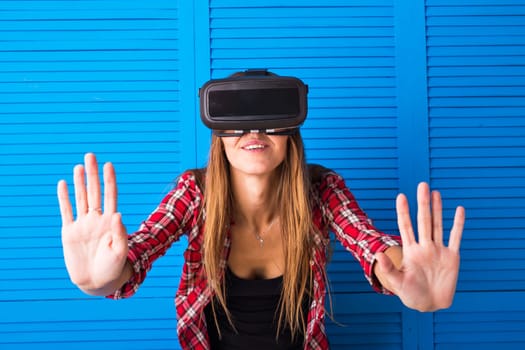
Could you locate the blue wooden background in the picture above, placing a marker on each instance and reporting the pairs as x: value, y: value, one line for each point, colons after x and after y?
x: 401, y: 91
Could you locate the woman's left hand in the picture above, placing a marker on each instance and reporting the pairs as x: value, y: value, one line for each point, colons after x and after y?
x: 424, y: 276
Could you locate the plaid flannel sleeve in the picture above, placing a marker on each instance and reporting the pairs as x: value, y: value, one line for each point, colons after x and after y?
x: 352, y: 227
x: 171, y: 219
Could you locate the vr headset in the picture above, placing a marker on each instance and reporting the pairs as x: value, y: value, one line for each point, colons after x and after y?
x: 253, y: 101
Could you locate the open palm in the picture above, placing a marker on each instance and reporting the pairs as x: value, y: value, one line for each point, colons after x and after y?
x: 95, y: 244
x: 427, y: 276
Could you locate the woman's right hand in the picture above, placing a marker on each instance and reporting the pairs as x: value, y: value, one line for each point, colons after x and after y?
x: 95, y: 244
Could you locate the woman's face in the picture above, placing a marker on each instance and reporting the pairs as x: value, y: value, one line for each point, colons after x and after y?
x: 255, y: 153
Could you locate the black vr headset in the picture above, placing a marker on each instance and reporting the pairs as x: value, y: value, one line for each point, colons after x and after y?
x: 253, y: 101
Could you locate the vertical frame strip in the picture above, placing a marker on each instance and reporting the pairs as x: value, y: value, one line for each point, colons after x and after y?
x: 203, y: 48
x: 187, y: 83
x: 413, y: 133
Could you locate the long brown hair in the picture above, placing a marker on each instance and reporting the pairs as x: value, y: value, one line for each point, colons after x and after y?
x: 292, y: 189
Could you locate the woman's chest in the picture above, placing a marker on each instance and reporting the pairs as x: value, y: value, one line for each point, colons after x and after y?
x: 256, y: 257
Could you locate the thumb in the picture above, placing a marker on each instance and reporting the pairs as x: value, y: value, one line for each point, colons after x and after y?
x: 386, y: 272
x: 120, y: 236
x: 116, y: 224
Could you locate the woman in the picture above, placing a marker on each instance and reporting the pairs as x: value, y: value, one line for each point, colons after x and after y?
x: 257, y: 220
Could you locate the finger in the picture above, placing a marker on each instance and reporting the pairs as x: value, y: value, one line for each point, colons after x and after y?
x: 93, y: 181
x: 66, y: 212
x: 457, y: 229
x: 403, y: 220
x: 437, y: 218
x: 424, y: 218
x: 110, y: 189
x: 79, y: 181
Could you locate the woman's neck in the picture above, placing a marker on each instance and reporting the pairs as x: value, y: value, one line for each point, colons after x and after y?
x: 254, y: 199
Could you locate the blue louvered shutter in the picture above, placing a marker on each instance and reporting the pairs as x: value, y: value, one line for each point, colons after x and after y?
x: 476, y: 85
x: 345, y: 53
x: 79, y: 76
x: 399, y: 92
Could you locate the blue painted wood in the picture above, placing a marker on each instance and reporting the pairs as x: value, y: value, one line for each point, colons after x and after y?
x: 75, y: 324
x: 413, y: 156
x: 362, y: 326
x: 104, y: 77
x: 399, y: 91
x: 476, y: 155
x: 346, y: 56
x: 481, y: 320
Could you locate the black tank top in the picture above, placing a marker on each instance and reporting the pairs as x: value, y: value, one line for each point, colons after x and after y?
x: 253, y: 306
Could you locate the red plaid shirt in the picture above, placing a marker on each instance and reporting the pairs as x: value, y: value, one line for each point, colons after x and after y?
x: 334, y: 209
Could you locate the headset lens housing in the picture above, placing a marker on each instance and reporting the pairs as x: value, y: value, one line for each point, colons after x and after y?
x: 253, y: 102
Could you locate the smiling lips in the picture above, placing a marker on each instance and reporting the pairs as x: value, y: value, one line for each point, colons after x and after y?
x: 254, y: 146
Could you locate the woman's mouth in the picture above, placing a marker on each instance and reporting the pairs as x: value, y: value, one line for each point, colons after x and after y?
x: 254, y: 147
